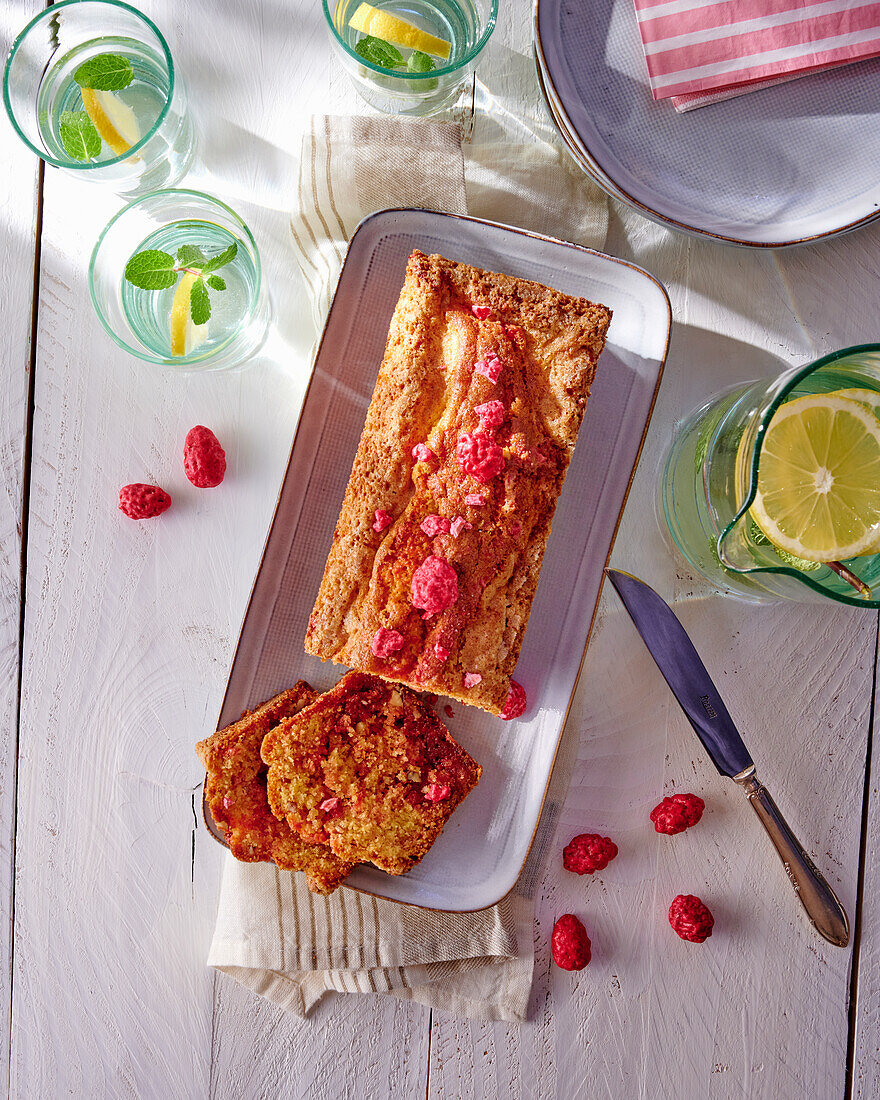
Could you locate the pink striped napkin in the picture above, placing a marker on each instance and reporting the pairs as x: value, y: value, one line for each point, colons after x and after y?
x: 700, y: 51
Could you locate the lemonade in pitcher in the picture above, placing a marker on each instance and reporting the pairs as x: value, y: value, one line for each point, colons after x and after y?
x: 773, y: 489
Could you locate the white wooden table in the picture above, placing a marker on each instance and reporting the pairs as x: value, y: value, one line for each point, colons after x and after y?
x: 116, y: 640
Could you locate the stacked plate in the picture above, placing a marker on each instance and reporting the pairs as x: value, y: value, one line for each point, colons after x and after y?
x: 785, y: 165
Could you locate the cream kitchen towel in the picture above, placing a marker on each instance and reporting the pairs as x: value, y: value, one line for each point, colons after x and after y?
x: 272, y: 934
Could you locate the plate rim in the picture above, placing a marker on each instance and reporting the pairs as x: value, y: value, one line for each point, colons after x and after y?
x: 649, y: 211
x: 207, y: 816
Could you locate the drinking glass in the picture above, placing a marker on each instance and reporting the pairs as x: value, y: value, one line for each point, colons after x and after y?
x: 710, y: 479
x: 134, y: 136
x: 464, y: 24
x: 190, y: 229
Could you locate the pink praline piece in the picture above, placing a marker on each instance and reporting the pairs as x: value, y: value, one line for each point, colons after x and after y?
x: 434, y: 586
x: 489, y: 366
x: 475, y: 500
x: 382, y: 520
x: 471, y: 679
x: 435, y: 525
x: 441, y: 652
x: 491, y: 413
x: 421, y: 453
x: 385, y: 642
x: 482, y: 313
x: 515, y: 703
x: 437, y: 792
x: 458, y: 525
x: 479, y: 456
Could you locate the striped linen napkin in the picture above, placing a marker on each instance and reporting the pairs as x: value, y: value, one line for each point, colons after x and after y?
x: 272, y: 934
x: 701, y: 51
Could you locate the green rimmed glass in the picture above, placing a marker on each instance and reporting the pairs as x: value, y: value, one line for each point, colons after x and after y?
x: 149, y: 115
x: 139, y: 320
x: 465, y: 24
x: 716, y: 453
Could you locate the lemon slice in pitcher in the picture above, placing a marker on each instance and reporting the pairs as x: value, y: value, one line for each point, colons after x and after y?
x: 384, y: 25
x: 818, y: 493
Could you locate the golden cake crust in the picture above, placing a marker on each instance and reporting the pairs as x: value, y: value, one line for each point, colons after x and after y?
x: 370, y: 769
x: 235, y: 791
x: 477, y: 499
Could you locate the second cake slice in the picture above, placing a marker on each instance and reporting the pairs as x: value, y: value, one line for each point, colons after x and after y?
x: 370, y: 769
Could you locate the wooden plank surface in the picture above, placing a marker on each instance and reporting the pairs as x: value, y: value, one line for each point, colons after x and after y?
x: 129, y: 633
x: 19, y: 205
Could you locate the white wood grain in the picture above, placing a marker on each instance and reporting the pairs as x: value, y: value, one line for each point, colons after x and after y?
x: 18, y: 216
x: 130, y: 629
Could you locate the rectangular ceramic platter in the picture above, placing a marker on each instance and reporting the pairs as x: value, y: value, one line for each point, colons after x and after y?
x: 482, y: 850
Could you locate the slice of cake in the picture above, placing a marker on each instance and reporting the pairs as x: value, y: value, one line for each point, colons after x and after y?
x: 370, y: 769
x: 235, y: 791
x: 468, y: 436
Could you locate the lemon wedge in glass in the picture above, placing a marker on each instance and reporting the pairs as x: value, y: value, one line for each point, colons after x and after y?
x: 180, y: 315
x: 818, y: 494
x: 384, y: 25
x: 114, y: 120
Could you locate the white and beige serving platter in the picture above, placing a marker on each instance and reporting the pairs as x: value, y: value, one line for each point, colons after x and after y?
x: 482, y: 850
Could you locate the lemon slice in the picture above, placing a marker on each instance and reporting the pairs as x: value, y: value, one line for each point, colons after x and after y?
x: 114, y: 120
x: 864, y: 397
x: 382, y: 24
x: 818, y: 491
x: 180, y: 315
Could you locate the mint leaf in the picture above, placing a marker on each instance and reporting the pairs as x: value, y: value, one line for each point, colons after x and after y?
x: 215, y: 282
x: 78, y: 135
x: 199, y: 303
x: 420, y: 62
x: 108, y: 72
x: 224, y: 258
x: 151, y: 270
x: 378, y: 52
x: 190, y: 255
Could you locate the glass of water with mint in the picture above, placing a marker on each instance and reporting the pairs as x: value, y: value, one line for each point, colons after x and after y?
x: 91, y: 87
x: 175, y: 279
x: 410, y: 57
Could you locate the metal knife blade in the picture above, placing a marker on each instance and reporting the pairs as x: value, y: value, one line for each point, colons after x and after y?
x: 685, y: 673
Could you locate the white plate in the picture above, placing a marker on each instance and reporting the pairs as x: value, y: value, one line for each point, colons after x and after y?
x: 777, y: 167
x: 482, y: 850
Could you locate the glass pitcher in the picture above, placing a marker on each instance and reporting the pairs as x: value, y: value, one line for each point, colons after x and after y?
x: 710, y: 479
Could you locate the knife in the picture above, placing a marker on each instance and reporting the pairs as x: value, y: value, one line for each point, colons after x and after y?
x: 698, y: 697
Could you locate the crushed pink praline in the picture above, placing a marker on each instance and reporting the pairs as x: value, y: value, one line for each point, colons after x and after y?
x: 435, y: 525
x: 382, y: 520
x: 459, y: 524
x: 421, y: 453
x: 437, y: 792
x: 385, y: 642
x: 448, y: 711
x: 471, y: 679
x: 479, y: 456
x: 434, y: 586
x: 491, y: 413
x: 489, y: 366
x: 482, y: 313
x: 515, y: 703
x: 476, y: 500
x: 329, y: 805
x: 441, y: 652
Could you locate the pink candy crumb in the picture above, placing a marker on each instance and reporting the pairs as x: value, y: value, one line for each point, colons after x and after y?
x: 421, y: 453
x: 329, y: 805
x: 458, y: 525
x: 437, y: 792
x: 491, y: 413
x: 385, y: 642
x: 476, y: 500
x: 489, y: 366
x: 482, y: 313
x: 441, y: 652
x: 448, y: 711
x: 434, y: 586
x: 479, y: 456
x: 382, y: 520
x: 515, y: 703
x: 435, y: 525
x: 471, y: 679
